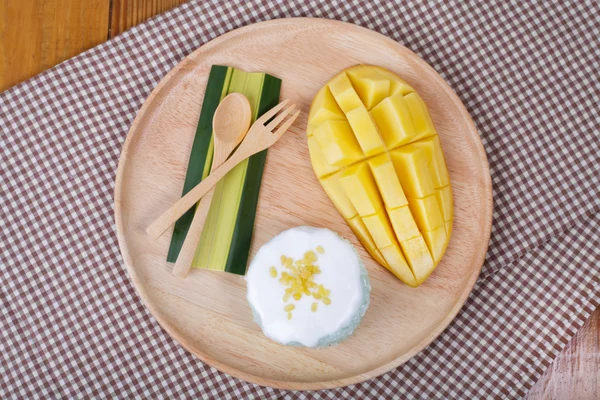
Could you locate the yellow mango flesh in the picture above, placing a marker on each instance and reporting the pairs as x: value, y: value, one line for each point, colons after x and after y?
x: 420, y: 116
x: 370, y: 86
x: 448, y: 229
x: 326, y: 109
x: 436, y: 242
x: 394, y: 121
x: 365, y: 130
x: 397, y: 85
x: 433, y: 152
x: 376, y: 152
x: 317, y: 158
x: 380, y: 228
x: 376, y: 254
x: 344, y: 93
x: 360, y: 187
x: 427, y: 213
x: 387, y: 181
x: 412, y: 168
x: 419, y: 258
x: 396, y: 264
x: 334, y: 190
x: 361, y: 232
x: 337, y: 143
x: 444, y: 196
x: 403, y: 223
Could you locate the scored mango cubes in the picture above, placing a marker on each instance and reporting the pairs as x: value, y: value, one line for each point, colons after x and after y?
x: 326, y: 109
x: 393, y: 118
x: 426, y: 212
x: 366, y: 132
x: 360, y: 187
x: 360, y: 230
x: 380, y: 228
x: 377, y: 154
x: 387, y: 181
x: 344, y: 93
x: 337, y: 142
x: 320, y: 165
x: 370, y: 85
x: 413, y: 171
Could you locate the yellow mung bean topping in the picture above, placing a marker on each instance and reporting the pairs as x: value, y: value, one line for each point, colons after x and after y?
x: 298, y: 278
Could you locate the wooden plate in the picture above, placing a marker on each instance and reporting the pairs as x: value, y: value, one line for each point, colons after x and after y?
x: 207, y: 313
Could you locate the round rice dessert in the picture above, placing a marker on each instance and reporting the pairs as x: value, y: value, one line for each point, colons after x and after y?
x: 308, y: 287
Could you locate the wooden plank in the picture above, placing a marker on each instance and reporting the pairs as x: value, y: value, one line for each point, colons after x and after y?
x: 575, y: 373
x: 128, y: 13
x: 37, y: 34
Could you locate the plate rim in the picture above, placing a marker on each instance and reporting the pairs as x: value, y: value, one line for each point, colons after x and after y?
x: 233, y: 371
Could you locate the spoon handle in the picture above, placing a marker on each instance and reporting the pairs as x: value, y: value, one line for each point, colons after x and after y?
x: 190, y: 244
x: 169, y: 217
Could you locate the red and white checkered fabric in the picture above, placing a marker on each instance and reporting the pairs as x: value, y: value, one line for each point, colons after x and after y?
x: 71, y: 324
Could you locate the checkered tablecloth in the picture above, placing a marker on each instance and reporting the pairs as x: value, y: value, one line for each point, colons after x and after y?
x: 71, y: 324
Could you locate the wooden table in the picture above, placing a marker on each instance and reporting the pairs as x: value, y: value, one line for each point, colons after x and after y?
x: 38, y: 34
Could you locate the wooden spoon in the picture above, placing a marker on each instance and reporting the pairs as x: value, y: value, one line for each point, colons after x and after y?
x: 265, y: 131
x: 230, y: 124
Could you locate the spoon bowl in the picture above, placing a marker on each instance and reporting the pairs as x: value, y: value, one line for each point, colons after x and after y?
x: 232, y: 119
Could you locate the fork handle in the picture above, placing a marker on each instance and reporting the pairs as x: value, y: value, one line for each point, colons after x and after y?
x: 180, y: 207
x: 190, y: 244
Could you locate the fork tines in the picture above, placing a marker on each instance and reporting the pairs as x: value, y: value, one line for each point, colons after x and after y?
x: 270, y: 121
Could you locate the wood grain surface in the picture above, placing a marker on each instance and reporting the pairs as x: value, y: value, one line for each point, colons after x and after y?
x: 127, y: 13
x: 575, y: 373
x: 37, y: 34
x: 34, y: 38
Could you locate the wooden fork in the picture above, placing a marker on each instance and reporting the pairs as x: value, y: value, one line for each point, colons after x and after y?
x: 262, y: 135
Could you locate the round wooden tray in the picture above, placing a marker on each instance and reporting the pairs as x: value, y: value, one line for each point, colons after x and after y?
x: 207, y: 312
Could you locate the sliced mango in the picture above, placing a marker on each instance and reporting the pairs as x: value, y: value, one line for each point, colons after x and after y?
x: 344, y: 93
x: 400, y: 87
x: 359, y: 185
x: 436, y: 241
x: 411, y: 165
x: 397, y: 85
x: 427, y: 212
x: 435, y: 159
x: 380, y: 228
x: 387, y: 181
x: 376, y: 151
x: 448, y: 229
x: 393, y: 119
x: 360, y: 230
x: 325, y: 108
x: 371, y: 86
x: 403, y: 223
x: 337, y: 195
x: 420, y: 116
x: 365, y: 130
x: 337, y: 142
x: 376, y: 254
x: 396, y: 264
x: 319, y: 164
x: 444, y: 196
x: 418, y: 257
